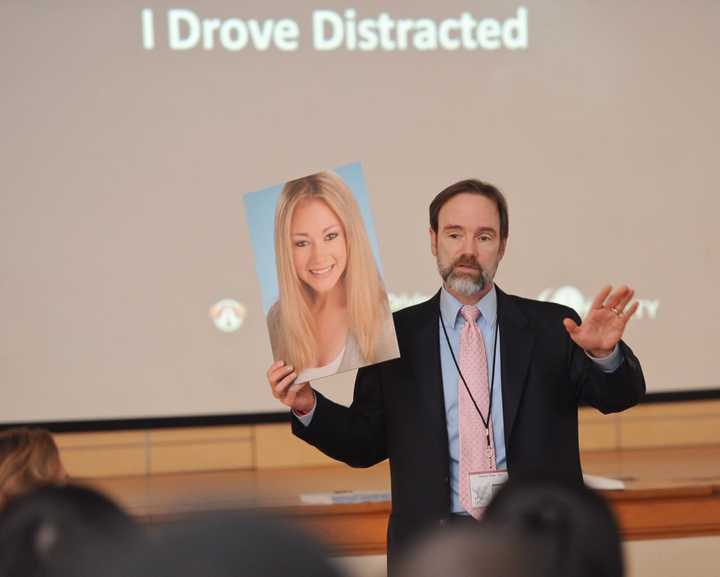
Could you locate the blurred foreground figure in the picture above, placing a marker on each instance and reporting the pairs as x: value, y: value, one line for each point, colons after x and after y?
x: 55, y: 531
x: 573, y: 525
x: 471, y: 551
x: 221, y: 545
x: 29, y: 459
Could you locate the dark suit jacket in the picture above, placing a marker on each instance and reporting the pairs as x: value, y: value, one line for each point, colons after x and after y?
x: 398, y: 410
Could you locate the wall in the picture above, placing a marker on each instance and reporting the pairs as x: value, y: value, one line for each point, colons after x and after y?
x: 157, y: 451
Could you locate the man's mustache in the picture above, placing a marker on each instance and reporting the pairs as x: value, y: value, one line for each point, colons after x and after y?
x: 467, y: 261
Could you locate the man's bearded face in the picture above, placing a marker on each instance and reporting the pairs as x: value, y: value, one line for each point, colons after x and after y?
x: 465, y: 274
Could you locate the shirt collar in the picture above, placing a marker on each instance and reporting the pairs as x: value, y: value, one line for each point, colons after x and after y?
x: 450, y: 307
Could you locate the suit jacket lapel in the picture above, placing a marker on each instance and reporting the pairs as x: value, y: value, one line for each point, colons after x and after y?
x: 428, y: 372
x: 516, y: 343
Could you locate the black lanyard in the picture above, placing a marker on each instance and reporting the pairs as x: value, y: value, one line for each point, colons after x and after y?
x: 485, y: 422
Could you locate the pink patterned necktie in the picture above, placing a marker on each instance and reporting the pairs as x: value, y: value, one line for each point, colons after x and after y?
x: 475, y: 454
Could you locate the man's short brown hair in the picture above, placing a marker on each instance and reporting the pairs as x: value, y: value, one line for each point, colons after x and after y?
x: 472, y: 186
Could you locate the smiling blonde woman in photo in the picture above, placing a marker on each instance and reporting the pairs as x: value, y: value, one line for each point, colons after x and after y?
x: 332, y: 313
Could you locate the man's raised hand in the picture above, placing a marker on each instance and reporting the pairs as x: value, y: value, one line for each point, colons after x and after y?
x: 604, y: 325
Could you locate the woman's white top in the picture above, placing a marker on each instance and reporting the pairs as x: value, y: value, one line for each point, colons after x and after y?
x: 318, y: 372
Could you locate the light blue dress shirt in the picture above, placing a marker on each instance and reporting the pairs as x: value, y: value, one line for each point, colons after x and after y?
x: 487, y: 325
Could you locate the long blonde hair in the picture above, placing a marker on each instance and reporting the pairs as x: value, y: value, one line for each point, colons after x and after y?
x: 367, y: 303
x: 29, y: 458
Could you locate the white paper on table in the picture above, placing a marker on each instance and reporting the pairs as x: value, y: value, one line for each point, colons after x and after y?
x: 603, y: 483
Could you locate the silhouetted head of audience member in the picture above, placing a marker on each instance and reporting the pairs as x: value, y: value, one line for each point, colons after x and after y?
x: 573, y: 525
x: 224, y: 545
x: 470, y: 551
x: 53, y: 531
x: 29, y: 458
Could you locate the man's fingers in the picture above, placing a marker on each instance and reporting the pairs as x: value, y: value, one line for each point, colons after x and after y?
x: 292, y: 393
x: 283, y: 382
x: 276, y: 365
x: 631, y: 311
x: 616, y: 298
x: 279, y: 389
x: 600, y: 298
x: 625, y: 300
x: 571, y: 326
x: 279, y: 373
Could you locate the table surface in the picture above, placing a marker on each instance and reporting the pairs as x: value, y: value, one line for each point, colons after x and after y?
x: 669, y: 492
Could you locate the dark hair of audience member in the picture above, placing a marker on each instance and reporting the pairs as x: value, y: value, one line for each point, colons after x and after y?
x: 470, y: 551
x: 573, y: 525
x: 224, y: 545
x: 29, y: 458
x: 52, y: 530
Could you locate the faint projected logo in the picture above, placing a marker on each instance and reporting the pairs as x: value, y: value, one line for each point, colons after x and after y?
x: 404, y: 300
x: 228, y: 315
x: 572, y: 297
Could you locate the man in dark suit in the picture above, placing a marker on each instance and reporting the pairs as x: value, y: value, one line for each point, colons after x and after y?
x: 540, y: 363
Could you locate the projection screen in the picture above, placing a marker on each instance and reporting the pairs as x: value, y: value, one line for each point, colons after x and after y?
x: 131, y: 130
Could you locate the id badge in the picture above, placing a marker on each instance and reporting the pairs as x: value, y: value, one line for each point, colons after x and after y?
x: 484, y: 485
